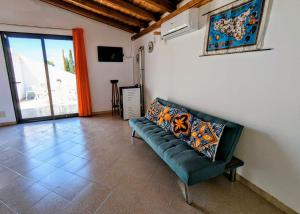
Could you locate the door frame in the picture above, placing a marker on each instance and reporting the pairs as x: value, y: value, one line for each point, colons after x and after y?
x: 11, y: 75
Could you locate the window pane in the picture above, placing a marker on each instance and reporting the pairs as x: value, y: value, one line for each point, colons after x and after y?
x: 61, y: 66
x: 30, y: 76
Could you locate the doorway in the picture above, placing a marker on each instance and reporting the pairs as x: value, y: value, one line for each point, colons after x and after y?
x: 41, y: 70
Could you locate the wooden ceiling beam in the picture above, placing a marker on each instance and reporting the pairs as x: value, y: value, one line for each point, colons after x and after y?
x: 163, y: 5
x: 129, y: 9
x: 105, y: 11
x: 193, y: 3
x: 91, y: 15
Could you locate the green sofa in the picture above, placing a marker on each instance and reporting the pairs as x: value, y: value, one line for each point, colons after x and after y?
x: 188, y: 165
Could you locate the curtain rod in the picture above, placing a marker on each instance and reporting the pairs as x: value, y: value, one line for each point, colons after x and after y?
x: 20, y: 25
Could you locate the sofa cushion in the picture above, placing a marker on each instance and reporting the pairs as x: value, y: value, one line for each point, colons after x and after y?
x: 165, y: 117
x: 190, y: 166
x: 181, y: 124
x: 205, y: 137
x: 154, y: 111
x: 143, y: 126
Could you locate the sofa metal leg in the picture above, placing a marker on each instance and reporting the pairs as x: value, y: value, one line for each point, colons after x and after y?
x: 132, y: 136
x: 232, y: 175
x: 187, y: 194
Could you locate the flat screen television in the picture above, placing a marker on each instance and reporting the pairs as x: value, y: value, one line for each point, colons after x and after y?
x: 110, y: 54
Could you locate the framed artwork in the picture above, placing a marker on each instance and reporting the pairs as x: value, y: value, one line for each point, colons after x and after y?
x: 236, y: 27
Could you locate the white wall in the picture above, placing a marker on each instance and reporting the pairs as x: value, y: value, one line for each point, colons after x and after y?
x: 37, y: 13
x: 259, y: 90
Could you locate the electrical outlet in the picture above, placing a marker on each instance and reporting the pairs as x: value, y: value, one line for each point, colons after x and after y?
x: 2, y: 114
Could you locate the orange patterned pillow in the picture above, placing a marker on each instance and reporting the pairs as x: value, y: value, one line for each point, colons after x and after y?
x: 181, y: 124
x: 154, y: 111
x: 205, y: 137
x: 165, y: 117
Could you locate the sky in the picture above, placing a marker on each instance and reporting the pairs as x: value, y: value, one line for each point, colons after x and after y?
x: 32, y: 48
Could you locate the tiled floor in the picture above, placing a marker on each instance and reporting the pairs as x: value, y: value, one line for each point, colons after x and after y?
x: 90, y: 166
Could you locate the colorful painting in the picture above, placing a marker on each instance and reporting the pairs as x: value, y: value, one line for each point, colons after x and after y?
x: 236, y: 27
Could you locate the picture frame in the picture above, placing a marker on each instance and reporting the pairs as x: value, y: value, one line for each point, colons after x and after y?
x: 236, y: 27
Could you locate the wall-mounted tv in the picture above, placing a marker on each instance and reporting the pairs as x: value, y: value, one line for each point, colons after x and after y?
x: 110, y: 54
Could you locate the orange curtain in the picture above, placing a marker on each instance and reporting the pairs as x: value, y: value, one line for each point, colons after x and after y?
x: 82, y: 78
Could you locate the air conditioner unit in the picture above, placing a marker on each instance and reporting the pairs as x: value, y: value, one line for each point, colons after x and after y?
x: 183, y: 23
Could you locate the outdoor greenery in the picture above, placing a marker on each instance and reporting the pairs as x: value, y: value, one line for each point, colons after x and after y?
x: 50, y: 63
x: 69, y: 64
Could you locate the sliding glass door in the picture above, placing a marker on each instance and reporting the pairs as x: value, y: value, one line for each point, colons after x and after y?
x: 30, y: 78
x: 42, y: 75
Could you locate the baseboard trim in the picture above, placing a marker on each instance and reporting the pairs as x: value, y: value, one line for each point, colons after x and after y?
x: 267, y: 196
x: 101, y: 113
x: 8, y: 124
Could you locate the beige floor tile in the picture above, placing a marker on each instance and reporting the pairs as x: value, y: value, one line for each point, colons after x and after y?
x: 98, y: 168
x: 57, y: 179
x: 61, y: 159
x: 219, y: 194
x: 118, y: 205
x: 21, y: 199
x: 22, y: 164
x: 40, y: 172
x: 72, y: 189
x: 89, y: 199
x: 19, y: 183
x: 7, y: 177
x: 22, y: 145
x: 36, y: 150
x: 89, y: 165
x: 76, y: 164
x: 8, y: 155
x: 64, y: 146
x: 2, y: 148
x: 64, y: 183
x: 77, y: 149
x: 4, y: 209
x: 50, y: 204
x: 80, y: 139
x: 46, y: 155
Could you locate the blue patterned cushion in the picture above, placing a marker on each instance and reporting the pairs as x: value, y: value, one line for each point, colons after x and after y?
x: 205, y: 137
x: 154, y: 111
x: 165, y: 117
x: 181, y: 124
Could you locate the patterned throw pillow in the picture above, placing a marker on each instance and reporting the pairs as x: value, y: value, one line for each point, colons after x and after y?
x: 154, y: 111
x: 205, y: 137
x: 181, y: 124
x: 165, y: 117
